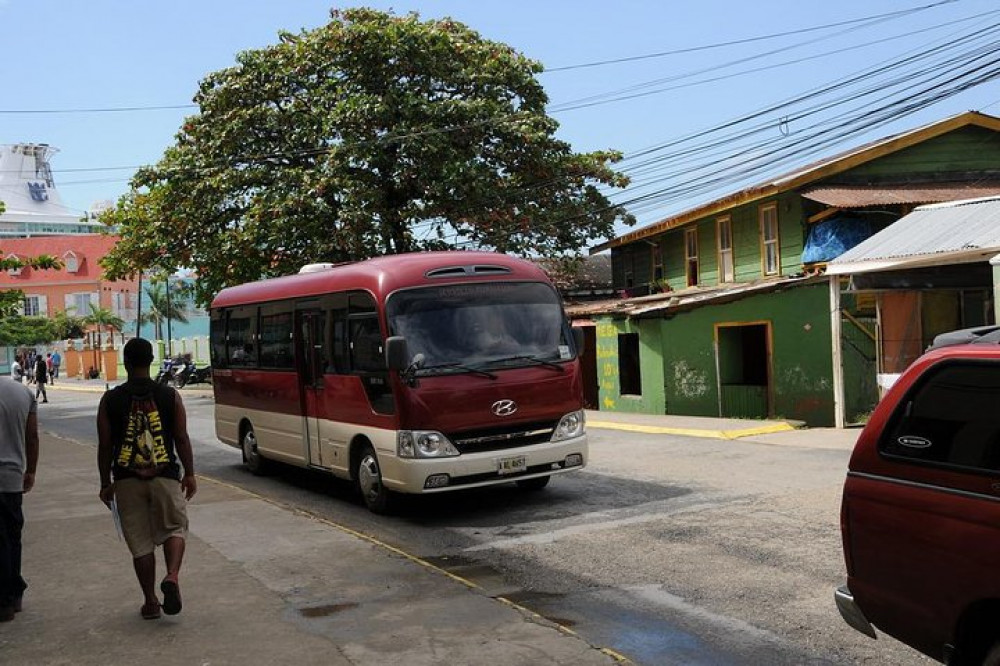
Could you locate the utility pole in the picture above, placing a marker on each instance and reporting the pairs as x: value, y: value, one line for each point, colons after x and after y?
x: 138, y: 310
x: 170, y: 349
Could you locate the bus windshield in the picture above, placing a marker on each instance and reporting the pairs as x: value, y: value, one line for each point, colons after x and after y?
x: 464, y: 328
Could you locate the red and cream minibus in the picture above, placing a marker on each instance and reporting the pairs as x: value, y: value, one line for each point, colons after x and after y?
x: 413, y: 373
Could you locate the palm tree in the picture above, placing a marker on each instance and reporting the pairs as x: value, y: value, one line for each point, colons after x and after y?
x: 101, y: 317
x: 162, y: 308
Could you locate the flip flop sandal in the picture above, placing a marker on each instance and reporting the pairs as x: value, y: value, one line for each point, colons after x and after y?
x: 171, y: 597
x: 150, y: 611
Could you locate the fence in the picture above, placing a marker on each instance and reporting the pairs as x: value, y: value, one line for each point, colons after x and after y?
x: 81, y: 361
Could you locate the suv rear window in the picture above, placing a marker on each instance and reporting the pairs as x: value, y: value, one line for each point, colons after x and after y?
x: 951, y: 418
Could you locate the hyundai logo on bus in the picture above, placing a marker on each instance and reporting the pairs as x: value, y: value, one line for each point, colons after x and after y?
x: 504, y: 407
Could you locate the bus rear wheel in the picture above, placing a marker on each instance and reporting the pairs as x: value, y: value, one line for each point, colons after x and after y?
x: 255, y: 462
x: 378, y: 498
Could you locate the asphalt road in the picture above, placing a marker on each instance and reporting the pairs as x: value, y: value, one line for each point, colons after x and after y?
x: 669, y: 550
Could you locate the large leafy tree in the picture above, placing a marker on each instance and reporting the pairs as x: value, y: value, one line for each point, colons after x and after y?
x: 373, y: 134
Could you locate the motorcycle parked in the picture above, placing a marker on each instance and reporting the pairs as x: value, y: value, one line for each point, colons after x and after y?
x: 188, y: 373
x: 167, y: 369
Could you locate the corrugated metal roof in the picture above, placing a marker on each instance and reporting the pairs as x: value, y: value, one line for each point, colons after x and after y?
x: 945, y: 233
x: 860, y: 196
x: 678, y: 301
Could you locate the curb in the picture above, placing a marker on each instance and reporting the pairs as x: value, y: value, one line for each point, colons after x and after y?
x: 693, y: 432
x: 95, y: 388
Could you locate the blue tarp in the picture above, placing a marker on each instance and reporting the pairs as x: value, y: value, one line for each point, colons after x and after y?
x: 831, y: 238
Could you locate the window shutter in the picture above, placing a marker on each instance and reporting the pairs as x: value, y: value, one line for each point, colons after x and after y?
x: 69, y: 304
x: 43, y: 306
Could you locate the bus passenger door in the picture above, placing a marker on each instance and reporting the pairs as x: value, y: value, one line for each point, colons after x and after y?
x: 310, y: 327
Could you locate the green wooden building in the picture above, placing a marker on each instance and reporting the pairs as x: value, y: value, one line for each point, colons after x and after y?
x: 726, y: 310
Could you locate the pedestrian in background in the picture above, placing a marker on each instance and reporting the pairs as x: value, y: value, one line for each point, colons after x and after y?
x: 56, y: 362
x: 48, y: 365
x: 18, y: 460
x: 29, y: 367
x: 16, y: 371
x: 41, y: 378
x: 142, y: 434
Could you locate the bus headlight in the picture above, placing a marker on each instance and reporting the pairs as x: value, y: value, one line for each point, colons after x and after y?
x: 571, y: 425
x: 424, y: 444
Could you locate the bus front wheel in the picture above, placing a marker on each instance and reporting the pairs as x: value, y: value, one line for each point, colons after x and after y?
x: 256, y: 463
x: 378, y: 498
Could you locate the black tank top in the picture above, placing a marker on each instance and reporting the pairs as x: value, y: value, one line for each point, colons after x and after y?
x: 142, y: 413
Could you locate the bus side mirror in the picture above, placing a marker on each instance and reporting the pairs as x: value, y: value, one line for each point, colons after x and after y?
x: 397, y: 356
x: 578, y: 340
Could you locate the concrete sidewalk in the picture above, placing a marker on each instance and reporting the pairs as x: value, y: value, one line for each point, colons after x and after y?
x: 261, y: 583
x: 774, y: 432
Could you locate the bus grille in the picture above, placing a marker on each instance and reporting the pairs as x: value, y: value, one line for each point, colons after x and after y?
x: 498, y: 439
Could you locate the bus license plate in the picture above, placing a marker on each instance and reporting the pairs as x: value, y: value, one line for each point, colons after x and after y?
x: 512, y: 465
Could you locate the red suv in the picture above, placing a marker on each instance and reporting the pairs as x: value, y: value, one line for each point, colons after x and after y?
x: 921, y: 510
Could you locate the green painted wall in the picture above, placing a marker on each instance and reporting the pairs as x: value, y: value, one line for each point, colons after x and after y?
x: 678, y: 357
x: 801, y: 373
x: 746, y: 247
x: 966, y: 149
x: 651, y: 366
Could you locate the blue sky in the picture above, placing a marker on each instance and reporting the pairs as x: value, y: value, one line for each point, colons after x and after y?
x: 111, y: 54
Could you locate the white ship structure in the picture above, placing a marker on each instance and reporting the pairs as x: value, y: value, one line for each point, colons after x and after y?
x: 32, y: 203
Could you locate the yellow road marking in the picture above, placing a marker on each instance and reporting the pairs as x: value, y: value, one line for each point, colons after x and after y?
x: 692, y: 432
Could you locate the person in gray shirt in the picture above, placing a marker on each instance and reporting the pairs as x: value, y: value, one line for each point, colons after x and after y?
x: 18, y: 460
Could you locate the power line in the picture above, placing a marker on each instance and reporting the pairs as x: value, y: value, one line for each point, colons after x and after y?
x: 871, y: 19
x: 108, y: 109
x: 747, y: 40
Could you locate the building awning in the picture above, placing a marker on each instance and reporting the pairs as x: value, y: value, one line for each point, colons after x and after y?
x: 862, y: 196
x: 935, y: 235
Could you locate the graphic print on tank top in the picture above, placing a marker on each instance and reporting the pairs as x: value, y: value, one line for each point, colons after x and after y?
x: 143, y: 450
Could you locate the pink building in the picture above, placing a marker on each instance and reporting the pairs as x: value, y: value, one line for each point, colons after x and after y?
x: 74, y: 287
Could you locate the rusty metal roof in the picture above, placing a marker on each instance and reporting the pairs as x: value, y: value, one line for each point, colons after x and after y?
x: 861, y: 196
x: 657, y: 305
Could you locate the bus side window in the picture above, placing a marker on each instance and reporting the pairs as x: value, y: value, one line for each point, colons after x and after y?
x: 217, y: 337
x: 276, y: 340
x: 367, y: 353
x: 337, y: 323
x: 239, y: 338
x: 366, y: 345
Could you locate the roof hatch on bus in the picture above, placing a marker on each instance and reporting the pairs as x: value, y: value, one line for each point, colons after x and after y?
x: 470, y: 269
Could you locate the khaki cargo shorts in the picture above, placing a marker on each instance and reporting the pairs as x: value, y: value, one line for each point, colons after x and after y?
x: 151, y: 511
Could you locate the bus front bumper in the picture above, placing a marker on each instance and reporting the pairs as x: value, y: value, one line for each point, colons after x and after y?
x: 475, y: 470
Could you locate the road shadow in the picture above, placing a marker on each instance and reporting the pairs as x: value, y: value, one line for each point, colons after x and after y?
x: 567, y: 495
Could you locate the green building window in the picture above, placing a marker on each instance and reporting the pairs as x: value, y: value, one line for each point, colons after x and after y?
x: 691, y: 256
x: 724, y: 228
x: 770, y: 248
x: 629, y: 376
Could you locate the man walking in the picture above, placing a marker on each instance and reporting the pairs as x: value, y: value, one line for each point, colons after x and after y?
x: 56, y: 362
x: 142, y: 433
x: 41, y: 378
x: 18, y: 460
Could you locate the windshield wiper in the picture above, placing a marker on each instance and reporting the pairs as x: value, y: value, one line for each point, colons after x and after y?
x: 459, y: 366
x: 535, y: 359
